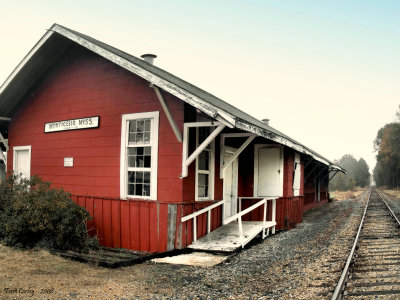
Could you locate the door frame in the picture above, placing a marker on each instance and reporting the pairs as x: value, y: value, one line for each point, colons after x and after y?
x: 235, y: 176
x: 19, y: 148
x: 281, y: 165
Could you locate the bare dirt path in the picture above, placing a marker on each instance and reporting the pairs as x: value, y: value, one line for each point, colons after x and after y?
x: 303, y: 263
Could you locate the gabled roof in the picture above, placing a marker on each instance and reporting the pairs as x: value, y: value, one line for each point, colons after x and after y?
x: 58, y: 38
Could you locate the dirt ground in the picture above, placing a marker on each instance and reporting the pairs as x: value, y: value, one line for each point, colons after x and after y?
x: 302, y: 263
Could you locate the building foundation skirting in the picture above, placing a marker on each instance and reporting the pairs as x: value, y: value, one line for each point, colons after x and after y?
x: 153, y: 226
x: 141, y: 225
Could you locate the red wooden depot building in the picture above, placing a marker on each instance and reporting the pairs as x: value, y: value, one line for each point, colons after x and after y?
x: 157, y: 161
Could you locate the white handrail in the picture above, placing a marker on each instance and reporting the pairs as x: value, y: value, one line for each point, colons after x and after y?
x: 197, y: 213
x: 201, y: 211
x: 247, y: 210
x: 239, y: 215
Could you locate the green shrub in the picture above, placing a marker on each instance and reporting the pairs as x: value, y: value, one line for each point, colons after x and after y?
x: 34, y: 214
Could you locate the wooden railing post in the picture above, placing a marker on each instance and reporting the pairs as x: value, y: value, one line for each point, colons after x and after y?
x: 240, y: 229
x: 208, y: 221
x: 265, y: 219
x: 195, y: 229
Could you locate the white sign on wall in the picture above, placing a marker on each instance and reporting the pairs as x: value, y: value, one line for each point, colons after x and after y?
x: 83, y: 123
x: 68, y: 161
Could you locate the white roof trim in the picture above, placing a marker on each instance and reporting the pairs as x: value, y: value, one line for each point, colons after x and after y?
x: 153, y: 79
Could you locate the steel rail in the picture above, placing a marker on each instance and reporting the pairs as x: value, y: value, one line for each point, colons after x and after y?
x: 337, y: 294
x: 388, y: 207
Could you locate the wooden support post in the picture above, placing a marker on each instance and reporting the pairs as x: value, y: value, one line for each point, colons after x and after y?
x: 273, y: 214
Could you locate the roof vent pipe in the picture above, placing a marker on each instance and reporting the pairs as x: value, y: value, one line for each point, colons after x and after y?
x: 149, y: 57
x: 266, y: 121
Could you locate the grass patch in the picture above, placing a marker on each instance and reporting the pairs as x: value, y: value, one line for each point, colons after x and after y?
x: 52, y: 277
x: 339, y: 195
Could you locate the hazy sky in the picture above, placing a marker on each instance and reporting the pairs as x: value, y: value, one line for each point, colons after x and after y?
x: 326, y: 73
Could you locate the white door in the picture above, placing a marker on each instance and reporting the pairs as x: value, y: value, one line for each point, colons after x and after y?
x: 22, y: 161
x: 268, y: 171
x: 230, y: 184
x: 297, y: 175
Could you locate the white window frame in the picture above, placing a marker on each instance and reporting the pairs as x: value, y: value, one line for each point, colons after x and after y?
x: 211, y: 172
x: 281, y: 163
x: 154, y: 153
x: 19, y: 148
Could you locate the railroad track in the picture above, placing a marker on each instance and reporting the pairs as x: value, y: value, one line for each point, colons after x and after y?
x: 372, y: 270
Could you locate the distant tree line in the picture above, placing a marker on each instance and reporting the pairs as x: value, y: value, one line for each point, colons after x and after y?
x: 387, y: 145
x: 358, y: 174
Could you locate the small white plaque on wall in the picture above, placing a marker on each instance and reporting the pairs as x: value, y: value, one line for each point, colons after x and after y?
x: 68, y: 162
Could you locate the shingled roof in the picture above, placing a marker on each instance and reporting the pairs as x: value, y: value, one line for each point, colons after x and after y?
x: 58, y: 38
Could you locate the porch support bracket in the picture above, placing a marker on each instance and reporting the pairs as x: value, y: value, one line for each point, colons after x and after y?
x: 186, y: 161
x: 168, y: 114
x: 334, y: 174
x: 237, y: 152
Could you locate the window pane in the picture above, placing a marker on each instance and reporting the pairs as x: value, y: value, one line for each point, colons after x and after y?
x: 202, y: 185
x: 146, y: 137
x: 139, y: 137
x: 147, y: 162
x: 139, y: 189
x: 146, y: 190
x: 146, y: 177
x: 203, y: 161
x: 131, y: 161
x: 132, y: 138
x: 139, y: 125
x: 131, y: 189
x: 139, y: 131
x: 137, y: 157
x: 132, y: 126
x: 138, y: 183
x: 132, y: 151
x: 131, y: 177
x: 139, y: 177
x: 147, y: 125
